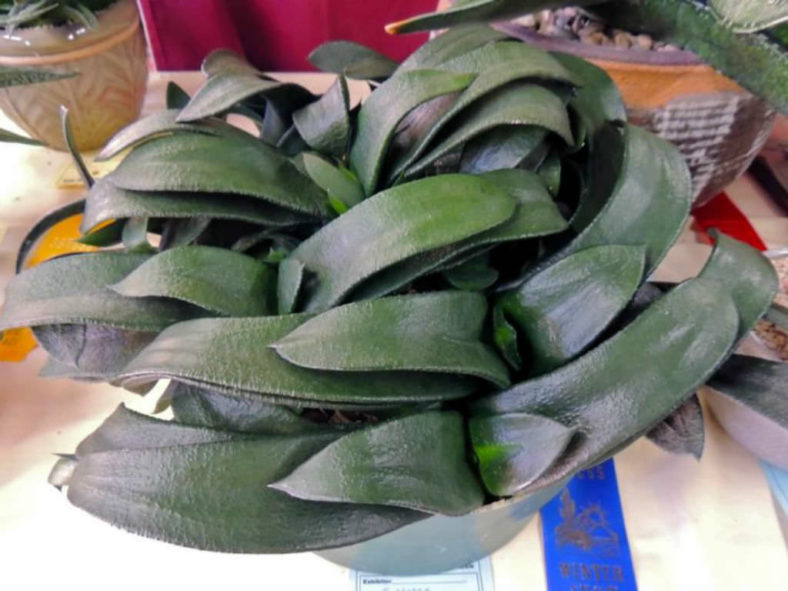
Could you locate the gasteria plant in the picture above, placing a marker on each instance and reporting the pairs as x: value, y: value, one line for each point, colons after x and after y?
x: 371, y: 315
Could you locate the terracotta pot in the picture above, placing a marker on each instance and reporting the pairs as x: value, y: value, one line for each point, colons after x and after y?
x: 717, y: 125
x: 438, y: 544
x: 106, y: 95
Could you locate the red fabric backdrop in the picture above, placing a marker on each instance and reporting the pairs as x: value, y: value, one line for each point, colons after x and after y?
x: 275, y: 35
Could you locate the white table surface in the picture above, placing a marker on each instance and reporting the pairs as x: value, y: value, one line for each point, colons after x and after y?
x: 707, y: 525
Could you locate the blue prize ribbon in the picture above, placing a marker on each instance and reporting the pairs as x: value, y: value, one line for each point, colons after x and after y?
x: 585, y: 540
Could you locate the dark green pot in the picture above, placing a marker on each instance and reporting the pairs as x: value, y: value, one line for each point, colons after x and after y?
x: 440, y: 543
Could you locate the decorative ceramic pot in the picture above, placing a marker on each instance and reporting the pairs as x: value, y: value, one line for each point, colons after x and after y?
x: 717, y: 125
x: 441, y: 543
x: 106, y: 95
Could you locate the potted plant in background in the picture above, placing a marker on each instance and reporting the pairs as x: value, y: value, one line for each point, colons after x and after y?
x: 101, y: 40
x: 392, y: 332
x: 717, y: 125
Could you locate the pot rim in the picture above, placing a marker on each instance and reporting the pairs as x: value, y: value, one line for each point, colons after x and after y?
x: 50, y: 44
x: 649, y: 59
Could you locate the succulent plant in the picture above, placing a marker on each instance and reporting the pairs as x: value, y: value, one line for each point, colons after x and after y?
x: 10, y: 76
x: 32, y: 13
x: 745, y: 39
x: 372, y: 314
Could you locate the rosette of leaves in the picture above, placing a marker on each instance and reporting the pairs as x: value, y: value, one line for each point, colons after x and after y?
x: 374, y: 314
x: 746, y: 40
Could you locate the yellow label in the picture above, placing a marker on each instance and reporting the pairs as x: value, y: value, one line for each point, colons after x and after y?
x: 16, y: 344
x: 60, y: 239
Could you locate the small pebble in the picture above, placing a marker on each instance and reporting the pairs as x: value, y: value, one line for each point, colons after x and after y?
x: 528, y: 20
x: 623, y: 40
x: 644, y: 41
x: 570, y: 23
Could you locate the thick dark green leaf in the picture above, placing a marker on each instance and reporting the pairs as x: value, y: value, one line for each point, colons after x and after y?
x: 106, y: 201
x: 778, y: 315
x: 177, y: 97
x: 224, y: 61
x: 219, y: 280
x: 386, y: 107
x: 397, y: 224
x: 437, y: 332
x: 352, y: 59
x: 338, y: 182
x: 473, y: 275
x: 473, y: 11
x: 204, y: 408
x: 597, y: 101
x: 223, y: 90
x: 126, y: 429
x: 536, y: 215
x: 14, y: 138
x: 104, y: 236
x: 609, y: 395
x: 135, y: 236
x: 649, y: 204
x: 162, y: 123
x: 682, y: 431
x: 562, y: 309
x: 208, y: 164
x: 183, y: 232
x: 73, y: 290
x: 154, y: 479
x: 505, y: 146
x: 515, y: 104
x: 10, y: 76
x: 289, y: 283
x: 505, y: 338
x: 450, y: 44
x: 92, y: 351
x: 756, y: 61
x: 68, y: 137
x: 325, y: 124
x: 233, y: 355
x: 514, y: 449
x: 758, y: 384
x: 746, y: 275
x: 549, y: 171
x: 496, y: 65
x: 601, y: 170
x: 416, y: 462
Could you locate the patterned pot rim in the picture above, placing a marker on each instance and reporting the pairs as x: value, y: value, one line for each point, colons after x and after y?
x: 49, y: 44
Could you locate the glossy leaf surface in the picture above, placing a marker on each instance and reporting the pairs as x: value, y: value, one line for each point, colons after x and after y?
x: 202, y: 163
x: 351, y: 59
x: 551, y: 308
x: 233, y: 355
x: 431, y: 332
x: 609, y: 397
x: 215, y: 495
x: 386, y: 107
x: 417, y: 462
x: 516, y: 448
x: 397, y: 224
x: 74, y: 290
x: 325, y: 124
x: 106, y: 201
